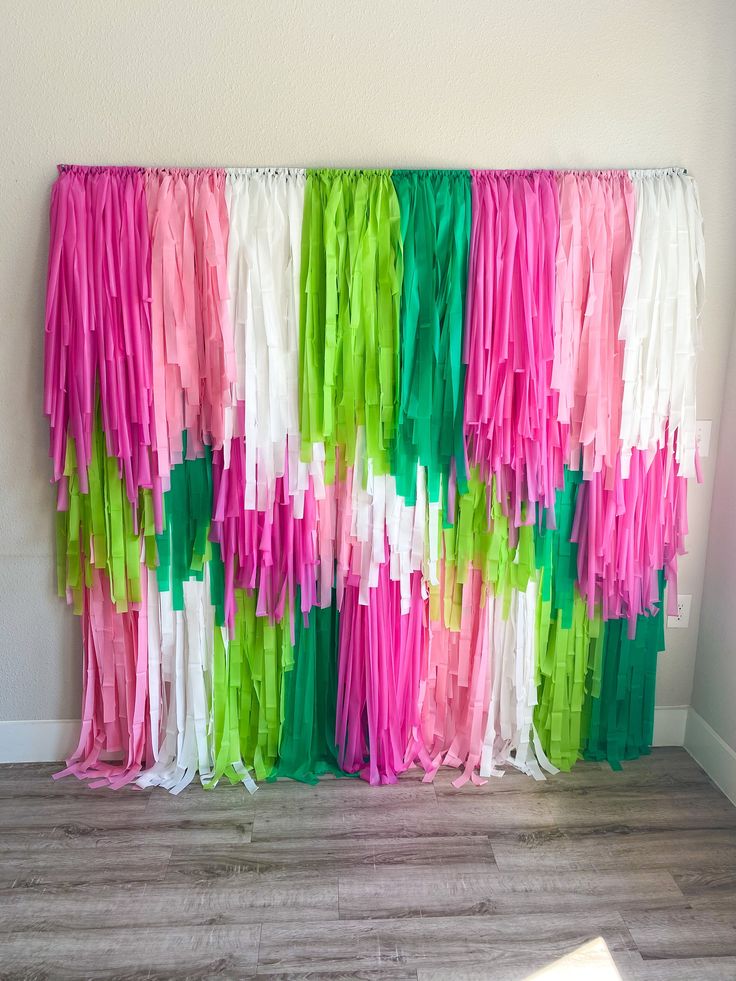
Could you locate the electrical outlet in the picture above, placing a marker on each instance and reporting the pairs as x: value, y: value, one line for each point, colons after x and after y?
x: 683, y: 612
x: 702, y: 436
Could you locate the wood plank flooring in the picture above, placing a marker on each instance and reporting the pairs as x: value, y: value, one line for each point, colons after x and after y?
x: 609, y: 876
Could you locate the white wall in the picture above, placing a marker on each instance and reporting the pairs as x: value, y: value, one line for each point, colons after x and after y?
x: 584, y: 83
x: 714, y: 689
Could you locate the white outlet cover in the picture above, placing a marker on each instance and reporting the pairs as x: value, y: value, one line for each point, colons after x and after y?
x: 682, y: 620
x: 702, y: 436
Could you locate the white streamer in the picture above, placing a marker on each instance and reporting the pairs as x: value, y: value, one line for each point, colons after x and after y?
x: 181, y: 646
x: 510, y: 736
x: 264, y: 267
x: 660, y: 317
x: 380, y: 516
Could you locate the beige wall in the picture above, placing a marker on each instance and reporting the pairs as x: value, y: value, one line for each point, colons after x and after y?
x: 584, y: 83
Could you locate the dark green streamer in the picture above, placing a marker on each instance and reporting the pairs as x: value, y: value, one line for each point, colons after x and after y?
x: 183, y: 547
x: 556, y: 555
x: 620, y: 723
x: 308, y: 747
x: 435, y: 231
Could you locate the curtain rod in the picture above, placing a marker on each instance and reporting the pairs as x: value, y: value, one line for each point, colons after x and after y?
x: 137, y: 168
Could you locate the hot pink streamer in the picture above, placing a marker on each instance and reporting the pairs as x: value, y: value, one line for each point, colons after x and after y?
x: 629, y: 531
x: 271, y: 552
x: 596, y: 225
x: 380, y: 672
x: 115, y: 691
x: 98, y: 327
x: 511, y: 423
x: 192, y: 337
x: 455, y: 706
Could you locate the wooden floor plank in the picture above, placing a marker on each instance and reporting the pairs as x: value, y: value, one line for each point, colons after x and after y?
x: 32, y: 867
x: 196, y: 799
x: 106, y: 822
x: 592, y: 961
x: 384, y: 817
x: 388, y: 974
x: 613, y: 848
x: 173, y: 952
x: 315, y: 857
x: 35, y: 780
x: 689, y: 933
x: 692, y: 969
x: 709, y: 887
x: 41, y: 814
x: 428, y: 892
x: 437, y: 942
x: 347, y: 791
x: 666, y: 768
x: 637, y: 809
x: 249, y: 899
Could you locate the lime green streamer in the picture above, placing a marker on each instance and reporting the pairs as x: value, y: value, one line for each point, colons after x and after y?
x: 567, y: 657
x: 569, y: 646
x: 97, y: 530
x: 248, y: 692
x: 308, y: 747
x: 183, y: 547
x: 349, y: 315
x: 482, y: 537
x: 148, y: 529
x: 621, y: 721
x: 435, y: 232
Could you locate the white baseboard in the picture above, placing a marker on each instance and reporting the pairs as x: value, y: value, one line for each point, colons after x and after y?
x: 38, y: 740
x: 714, y: 755
x: 669, y: 725
x: 53, y: 740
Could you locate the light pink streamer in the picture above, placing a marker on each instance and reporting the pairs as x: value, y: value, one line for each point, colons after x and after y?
x: 455, y: 707
x: 511, y: 426
x: 192, y: 338
x: 596, y: 224
x: 115, y: 690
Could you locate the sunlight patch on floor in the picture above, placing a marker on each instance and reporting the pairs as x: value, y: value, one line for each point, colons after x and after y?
x: 591, y: 962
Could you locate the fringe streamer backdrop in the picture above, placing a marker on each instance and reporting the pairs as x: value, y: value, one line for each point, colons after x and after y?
x: 360, y: 471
